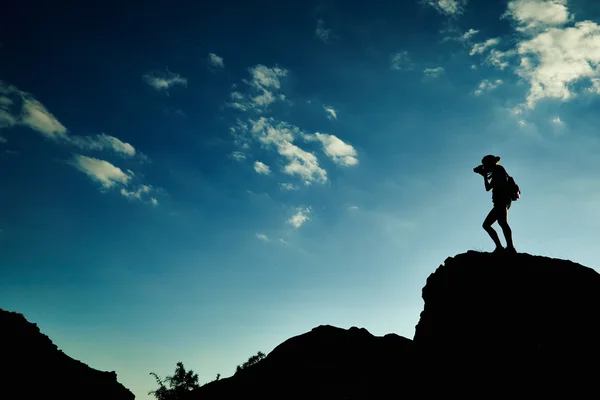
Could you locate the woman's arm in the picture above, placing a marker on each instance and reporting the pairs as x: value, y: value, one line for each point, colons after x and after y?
x: 488, y: 185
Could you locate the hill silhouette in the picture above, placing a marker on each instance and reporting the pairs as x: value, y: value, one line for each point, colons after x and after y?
x: 492, y: 325
x: 32, y: 367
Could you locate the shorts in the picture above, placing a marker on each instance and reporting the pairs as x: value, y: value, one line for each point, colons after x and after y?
x: 502, y: 203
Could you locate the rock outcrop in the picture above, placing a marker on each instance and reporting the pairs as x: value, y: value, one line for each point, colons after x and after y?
x: 515, y: 323
x: 33, y: 368
x: 512, y: 325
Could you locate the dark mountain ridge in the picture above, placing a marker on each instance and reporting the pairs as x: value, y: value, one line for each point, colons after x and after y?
x: 511, y: 325
x: 32, y: 367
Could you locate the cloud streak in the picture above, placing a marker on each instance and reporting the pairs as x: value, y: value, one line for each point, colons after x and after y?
x: 262, y: 89
x: 215, y: 61
x: 301, y: 216
x: 164, y: 80
x: 261, y: 168
x: 101, y: 171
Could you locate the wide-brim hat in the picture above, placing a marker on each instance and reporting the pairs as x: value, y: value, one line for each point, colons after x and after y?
x: 490, y: 159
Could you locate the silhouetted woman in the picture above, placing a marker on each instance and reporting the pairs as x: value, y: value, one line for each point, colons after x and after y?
x: 496, y: 179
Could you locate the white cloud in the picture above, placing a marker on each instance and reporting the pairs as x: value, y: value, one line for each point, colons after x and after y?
x: 554, y: 55
x: 448, y: 7
x: 301, y: 216
x: 34, y: 115
x: 6, y: 119
x: 103, y: 142
x: 153, y: 201
x: 262, y: 236
x: 302, y: 163
x: 288, y: 186
x: 331, y: 113
x: 401, y: 61
x: 263, y: 88
x: 469, y: 34
x: 5, y: 101
x: 557, y: 58
x: 487, y: 86
x: 498, y: 58
x: 163, y: 80
x: 341, y: 153
x: 101, y: 171
x: 433, y: 73
x: 538, y: 14
x: 557, y: 121
x: 136, y: 194
x: 238, y: 156
x: 281, y: 135
x: 215, y: 61
x: 261, y: 168
x: 352, y: 208
x: 322, y: 33
x: 37, y: 117
x: 479, y: 48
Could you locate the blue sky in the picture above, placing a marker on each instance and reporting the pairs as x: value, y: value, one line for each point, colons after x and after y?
x: 197, y: 181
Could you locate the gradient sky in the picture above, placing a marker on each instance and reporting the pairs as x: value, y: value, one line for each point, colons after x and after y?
x: 197, y: 181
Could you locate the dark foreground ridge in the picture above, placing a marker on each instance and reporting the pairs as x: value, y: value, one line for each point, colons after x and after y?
x: 513, y: 325
x: 32, y: 367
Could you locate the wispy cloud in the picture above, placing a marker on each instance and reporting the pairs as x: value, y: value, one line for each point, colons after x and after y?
x: 101, y: 171
x: 31, y: 113
x: 110, y: 177
x: 301, y: 216
x: 480, y: 48
x: 401, y: 61
x: 433, y: 73
x: 469, y: 34
x: 557, y: 121
x: 280, y: 136
x: 3, y: 139
x: 288, y: 186
x: 136, y: 194
x: 261, y: 168
x: 331, y: 113
x: 340, y: 152
x: 215, y: 61
x: 487, y: 86
x: 322, y: 33
x: 238, y: 156
x: 450, y: 8
x: 163, y: 80
x: 262, y: 89
x: 103, y: 142
x: 262, y: 237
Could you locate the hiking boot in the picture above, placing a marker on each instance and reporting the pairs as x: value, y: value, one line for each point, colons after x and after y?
x: 498, y: 250
x: 511, y: 250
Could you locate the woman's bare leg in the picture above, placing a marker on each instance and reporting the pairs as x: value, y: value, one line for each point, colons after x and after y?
x: 503, y: 222
x: 487, y: 225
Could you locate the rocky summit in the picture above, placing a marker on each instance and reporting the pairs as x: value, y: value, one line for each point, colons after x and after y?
x: 33, y: 368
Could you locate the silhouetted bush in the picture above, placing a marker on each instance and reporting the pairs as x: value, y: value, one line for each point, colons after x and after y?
x: 179, y: 385
x: 251, y: 361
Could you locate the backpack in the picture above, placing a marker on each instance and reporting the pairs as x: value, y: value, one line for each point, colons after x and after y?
x: 513, y: 189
